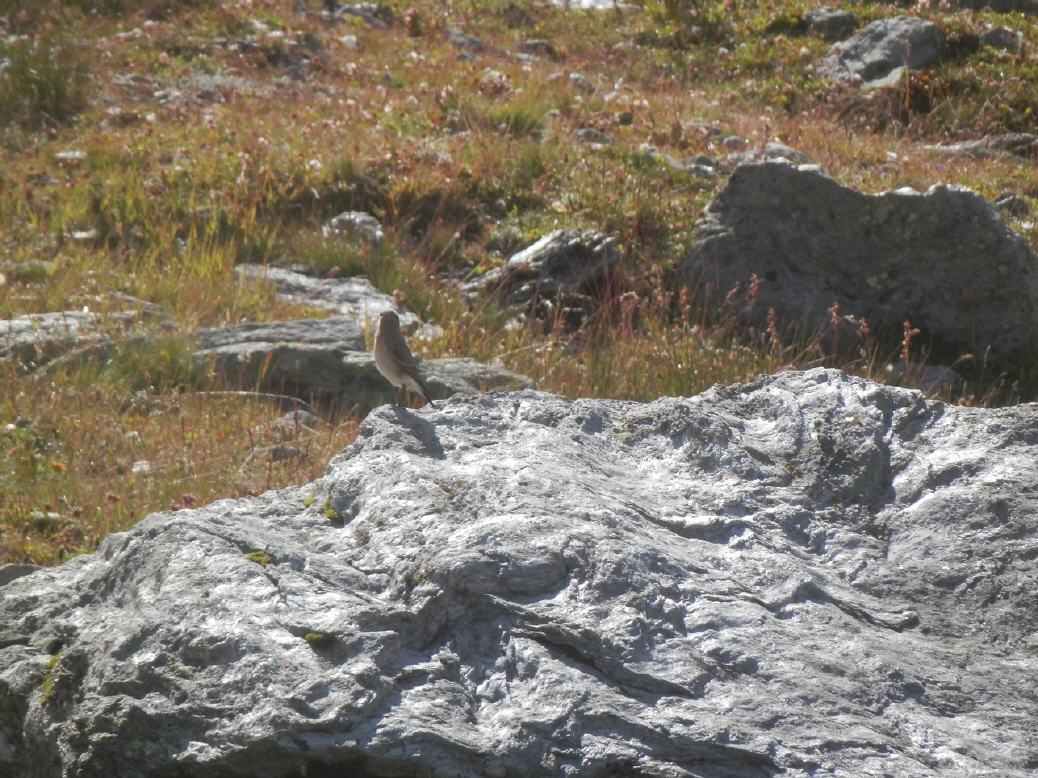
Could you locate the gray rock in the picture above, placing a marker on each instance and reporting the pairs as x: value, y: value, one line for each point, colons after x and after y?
x: 564, y: 266
x: 345, y: 331
x: 538, y: 47
x: 591, y: 135
x: 1002, y: 38
x: 833, y: 24
x: 581, y: 82
x: 882, y: 46
x: 11, y: 572
x: 376, y: 15
x: 810, y: 574
x: 465, y: 42
x: 356, y: 224
x: 36, y: 338
x: 352, y: 297
x: 325, y: 361
x: 772, y: 150
x: 701, y: 166
x: 1013, y: 204
x: 734, y: 143
x: 944, y: 260
x: 931, y: 380
x: 1008, y: 144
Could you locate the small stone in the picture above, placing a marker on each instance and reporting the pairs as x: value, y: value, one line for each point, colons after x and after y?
x: 592, y: 135
x: 283, y: 453
x: 1002, y: 38
x: 466, y: 42
x: 538, y: 48
x: 733, y: 143
x: 355, y: 224
x: 581, y: 82
x: 830, y: 23
x: 71, y: 155
x: 141, y: 467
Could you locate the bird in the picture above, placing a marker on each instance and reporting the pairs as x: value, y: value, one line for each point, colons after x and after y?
x: 394, y: 359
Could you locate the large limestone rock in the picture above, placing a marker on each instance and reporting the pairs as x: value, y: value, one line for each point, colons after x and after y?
x: 34, y: 339
x: 353, y: 297
x: 809, y: 575
x: 944, y: 260
x: 325, y: 360
x: 565, y: 267
x: 883, y: 46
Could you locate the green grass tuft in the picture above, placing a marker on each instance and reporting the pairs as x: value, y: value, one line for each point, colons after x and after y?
x: 261, y: 558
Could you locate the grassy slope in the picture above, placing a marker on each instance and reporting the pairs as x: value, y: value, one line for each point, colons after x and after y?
x: 216, y: 135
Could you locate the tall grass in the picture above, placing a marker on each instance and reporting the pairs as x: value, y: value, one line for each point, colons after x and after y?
x: 43, y: 80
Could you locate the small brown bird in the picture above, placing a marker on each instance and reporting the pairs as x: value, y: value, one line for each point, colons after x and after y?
x: 394, y: 359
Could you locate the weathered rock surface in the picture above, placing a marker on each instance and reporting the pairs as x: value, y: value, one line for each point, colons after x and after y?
x: 832, y: 24
x: 325, y: 360
x: 35, y: 339
x: 1019, y: 144
x: 357, y: 224
x: 1002, y: 38
x: 566, y: 266
x: 945, y: 260
x: 772, y: 150
x: 809, y: 575
x: 880, y: 47
x: 354, y: 297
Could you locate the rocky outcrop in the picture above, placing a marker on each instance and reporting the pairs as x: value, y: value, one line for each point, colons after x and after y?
x: 811, y: 574
x: 354, y: 297
x: 34, y: 339
x: 944, y: 259
x: 833, y: 24
x: 565, y: 267
x: 883, y: 46
x: 325, y: 360
x: 1002, y: 145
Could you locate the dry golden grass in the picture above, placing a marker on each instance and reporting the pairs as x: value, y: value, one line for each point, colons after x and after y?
x: 217, y: 134
x: 79, y: 462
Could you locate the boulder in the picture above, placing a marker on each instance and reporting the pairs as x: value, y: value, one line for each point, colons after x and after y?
x: 880, y: 47
x: 36, y: 338
x: 1004, y: 145
x: 943, y: 259
x: 812, y: 574
x: 833, y: 24
x: 565, y: 266
x: 354, y: 297
x: 325, y: 360
x: 340, y: 330
x: 1002, y: 38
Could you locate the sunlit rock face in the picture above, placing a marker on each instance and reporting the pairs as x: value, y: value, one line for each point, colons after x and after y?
x: 812, y: 574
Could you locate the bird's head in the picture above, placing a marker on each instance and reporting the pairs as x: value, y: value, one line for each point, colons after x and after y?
x: 389, y: 320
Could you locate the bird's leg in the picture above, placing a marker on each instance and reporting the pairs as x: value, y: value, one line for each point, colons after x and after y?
x: 396, y: 397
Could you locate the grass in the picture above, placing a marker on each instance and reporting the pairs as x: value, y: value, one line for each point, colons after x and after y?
x: 148, y: 147
x: 44, y: 81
